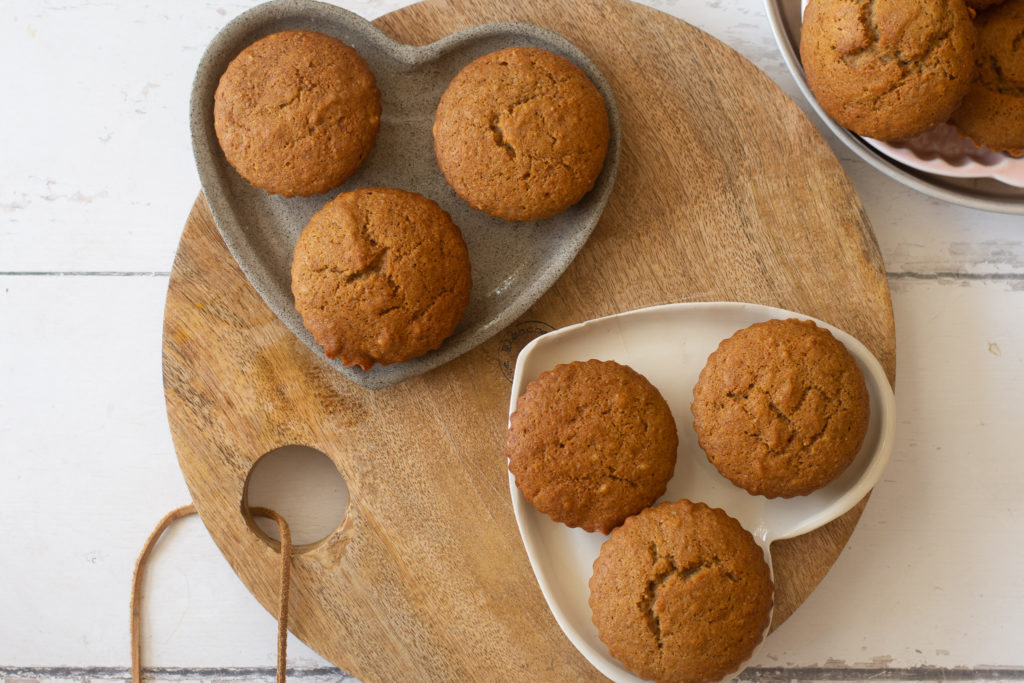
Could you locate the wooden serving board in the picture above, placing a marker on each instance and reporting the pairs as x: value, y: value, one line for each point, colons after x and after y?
x: 725, y: 192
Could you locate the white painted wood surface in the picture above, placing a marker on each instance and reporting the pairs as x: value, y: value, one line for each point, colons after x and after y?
x: 96, y: 179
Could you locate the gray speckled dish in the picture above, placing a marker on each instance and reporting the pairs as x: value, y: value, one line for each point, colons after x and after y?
x: 513, y: 263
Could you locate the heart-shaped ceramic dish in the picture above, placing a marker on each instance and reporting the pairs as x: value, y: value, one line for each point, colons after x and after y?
x: 512, y: 263
x: 670, y: 345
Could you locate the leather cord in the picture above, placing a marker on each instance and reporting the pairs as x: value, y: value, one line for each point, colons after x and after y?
x: 283, y: 590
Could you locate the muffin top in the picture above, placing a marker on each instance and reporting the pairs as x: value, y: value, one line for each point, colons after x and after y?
x: 888, y: 69
x: 296, y: 112
x: 521, y: 134
x: 380, y: 275
x: 681, y: 593
x: 591, y: 443
x: 781, y: 408
x: 992, y: 113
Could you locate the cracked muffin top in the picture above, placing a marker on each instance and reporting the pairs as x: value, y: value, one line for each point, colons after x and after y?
x: 781, y: 408
x: 380, y: 275
x: 888, y: 69
x: 681, y: 593
x: 591, y: 443
x: 296, y: 113
x: 992, y: 113
x: 521, y: 134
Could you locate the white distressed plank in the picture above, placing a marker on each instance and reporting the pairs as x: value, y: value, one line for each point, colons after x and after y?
x: 932, y: 574
x: 923, y: 235
x: 98, y: 176
x: 932, y: 567
x: 88, y: 470
x: 98, y: 172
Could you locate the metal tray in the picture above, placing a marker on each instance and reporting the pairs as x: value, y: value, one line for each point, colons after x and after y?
x: 984, y: 194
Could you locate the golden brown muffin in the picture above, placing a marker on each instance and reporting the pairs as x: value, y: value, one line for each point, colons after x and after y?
x: 982, y: 4
x: 992, y: 114
x: 296, y: 113
x: 681, y: 593
x: 591, y: 443
x: 781, y: 408
x: 888, y: 69
x: 521, y: 134
x: 380, y: 276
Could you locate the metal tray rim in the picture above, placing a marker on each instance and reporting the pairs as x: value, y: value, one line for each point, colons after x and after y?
x: 922, y: 182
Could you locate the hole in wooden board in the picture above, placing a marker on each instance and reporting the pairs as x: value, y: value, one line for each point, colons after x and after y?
x: 302, y: 485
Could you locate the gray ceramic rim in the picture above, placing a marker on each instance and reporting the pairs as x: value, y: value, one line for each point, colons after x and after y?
x: 254, y: 23
x: 922, y: 182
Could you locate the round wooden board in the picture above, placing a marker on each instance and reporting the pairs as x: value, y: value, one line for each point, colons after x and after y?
x: 725, y: 192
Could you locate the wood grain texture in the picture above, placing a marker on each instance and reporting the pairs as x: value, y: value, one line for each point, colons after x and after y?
x: 725, y: 192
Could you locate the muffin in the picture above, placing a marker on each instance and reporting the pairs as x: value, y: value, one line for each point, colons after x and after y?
x: 982, y: 4
x: 992, y: 113
x: 521, y: 134
x: 380, y: 276
x: 296, y: 113
x: 591, y: 443
x: 781, y: 408
x: 681, y: 593
x: 888, y: 70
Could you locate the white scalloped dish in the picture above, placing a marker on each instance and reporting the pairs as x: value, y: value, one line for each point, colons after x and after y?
x: 669, y: 345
